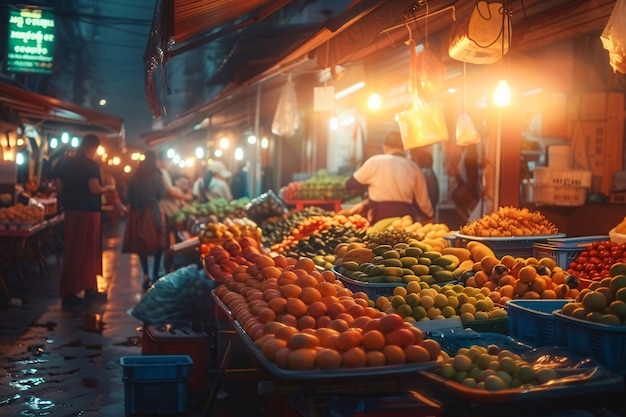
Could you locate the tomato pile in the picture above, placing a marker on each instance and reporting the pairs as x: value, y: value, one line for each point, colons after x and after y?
x: 596, y: 260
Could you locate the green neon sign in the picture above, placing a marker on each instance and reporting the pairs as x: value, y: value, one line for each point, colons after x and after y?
x: 30, y: 41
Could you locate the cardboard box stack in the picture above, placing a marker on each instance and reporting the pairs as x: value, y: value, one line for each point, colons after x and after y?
x: 598, y: 136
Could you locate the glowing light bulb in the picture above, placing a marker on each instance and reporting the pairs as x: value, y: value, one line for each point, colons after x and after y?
x: 502, y: 95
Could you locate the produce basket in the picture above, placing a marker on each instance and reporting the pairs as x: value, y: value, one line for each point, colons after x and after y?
x: 532, y: 321
x: 265, y: 206
x: 563, y: 251
x: 605, y: 343
x: 451, y: 340
x: 373, y: 290
x: 561, y: 187
x: 515, y: 246
x: 499, y: 325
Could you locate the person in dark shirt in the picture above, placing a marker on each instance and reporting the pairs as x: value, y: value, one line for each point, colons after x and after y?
x: 239, y: 182
x: 81, y: 198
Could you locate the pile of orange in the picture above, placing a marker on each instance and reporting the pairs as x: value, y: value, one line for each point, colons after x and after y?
x: 304, y: 319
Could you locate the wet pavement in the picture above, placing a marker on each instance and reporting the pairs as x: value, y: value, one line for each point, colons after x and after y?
x: 59, y: 361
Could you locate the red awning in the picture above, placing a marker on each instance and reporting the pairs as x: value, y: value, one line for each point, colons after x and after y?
x: 52, y: 114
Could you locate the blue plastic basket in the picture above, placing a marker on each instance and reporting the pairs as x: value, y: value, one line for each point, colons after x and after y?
x: 521, y: 246
x: 156, y: 367
x: 532, y: 321
x: 604, y: 343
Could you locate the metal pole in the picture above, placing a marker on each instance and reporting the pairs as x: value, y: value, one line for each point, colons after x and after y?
x: 496, y: 183
x: 257, y: 144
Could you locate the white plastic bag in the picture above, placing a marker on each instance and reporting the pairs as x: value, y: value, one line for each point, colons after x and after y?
x: 286, y: 119
x: 466, y: 133
x: 614, y: 37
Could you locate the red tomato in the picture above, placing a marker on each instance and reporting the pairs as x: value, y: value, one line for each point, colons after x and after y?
x: 593, y: 253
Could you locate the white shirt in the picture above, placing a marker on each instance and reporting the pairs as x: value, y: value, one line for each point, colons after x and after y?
x: 395, y: 178
x: 218, y: 188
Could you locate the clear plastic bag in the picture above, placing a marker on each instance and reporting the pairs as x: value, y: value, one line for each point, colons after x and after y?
x: 286, y: 119
x: 466, y: 133
x: 614, y: 37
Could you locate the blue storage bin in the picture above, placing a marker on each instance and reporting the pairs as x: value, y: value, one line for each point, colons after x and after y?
x: 156, y: 367
x: 155, y: 397
x: 532, y: 321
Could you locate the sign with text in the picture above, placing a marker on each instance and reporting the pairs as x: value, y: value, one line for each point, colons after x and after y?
x: 30, y: 41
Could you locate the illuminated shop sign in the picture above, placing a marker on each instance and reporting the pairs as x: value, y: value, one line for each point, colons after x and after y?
x: 30, y: 41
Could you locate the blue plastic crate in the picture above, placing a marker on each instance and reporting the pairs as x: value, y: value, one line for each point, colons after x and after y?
x: 156, y: 367
x: 566, y: 250
x: 518, y: 246
x: 604, y: 343
x: 532, y: 321
x: 152, y: 397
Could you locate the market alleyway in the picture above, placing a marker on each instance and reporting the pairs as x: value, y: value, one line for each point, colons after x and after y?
x: 66, y: 362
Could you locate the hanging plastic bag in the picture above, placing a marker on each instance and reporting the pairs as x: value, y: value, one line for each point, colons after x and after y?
x: 466, y: 133
x: 286, y: 119
x: 431, y: 71
x: 420, y: 124
x: 614, y: 37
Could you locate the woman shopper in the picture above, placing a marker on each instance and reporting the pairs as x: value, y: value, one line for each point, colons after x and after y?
x: 81, y: 197
x: 145, y: 233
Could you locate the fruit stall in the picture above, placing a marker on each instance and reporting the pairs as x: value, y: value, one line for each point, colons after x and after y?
x: 337, y: 315
x: 26, y: 232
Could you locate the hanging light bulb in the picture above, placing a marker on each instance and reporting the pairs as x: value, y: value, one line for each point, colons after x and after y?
x: 502, y: 95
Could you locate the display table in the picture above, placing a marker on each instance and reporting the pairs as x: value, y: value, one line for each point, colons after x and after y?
x: 301, y: 204
x: 25, y: 244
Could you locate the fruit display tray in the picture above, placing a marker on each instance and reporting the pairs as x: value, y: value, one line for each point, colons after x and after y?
x: 332, y: 373
x: 577, y: 375
x: 222, y: 312
x: 521, y: 246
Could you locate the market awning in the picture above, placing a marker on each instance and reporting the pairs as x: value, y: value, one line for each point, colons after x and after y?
x: 49, y: 113
x: 181, y: 25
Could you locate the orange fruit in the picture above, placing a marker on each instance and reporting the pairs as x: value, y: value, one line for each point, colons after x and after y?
x: 317, y: 275
x: 538, y: 285
x: 280, y: 261
x: 355, y: 310
x: 373, y: 324
x: 527, y: 274
x: 272, y: 346
x: 401, y: 337
x: 267, y: 315
x: 272, y: 326
x: 507, y: 291
x: 271, y: 272
x: 344, y: 291
x: 290, y: 290
x: 296, y: 307
x: 330, y: 342
x: 328, y: 359
x: 354, y: 358
x: 480, y: 278
x: 391, y: 322
x: 281, y: 358
x: 346, y: 317
x: 289, y: 320
x: 287, y: 277
x: 362, y: 302
x: 306, y: 322
x: 285, y: 332
x: 302, y: 359
x: 329, y: 276
x: 331, y: 299
x: 416, y: 353
x: 373, y: 340
x: 323, y: 321
x: 520, y: 287
x: 306, y: 281
x: 349, y: 339
x: 263, y: 260
x: 371, y: 312
x: 360, y: 322
x: 326, y: 289
x: 323, y: 332
x: 375, y: 358
x: 262, y: 340
x: 418, y: 335
x: 278, y: 304
x: 302, y: 340
x: 432, y: 346
x: 394, y: 355
x: 335, y: 309
x: 317, y: 309
x: 339, y: 324
x: 310, y: 295
x: 305, y: 263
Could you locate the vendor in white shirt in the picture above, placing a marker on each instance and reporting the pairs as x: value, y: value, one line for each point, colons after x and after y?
x: 213, y: 184
x: 395, y: 184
